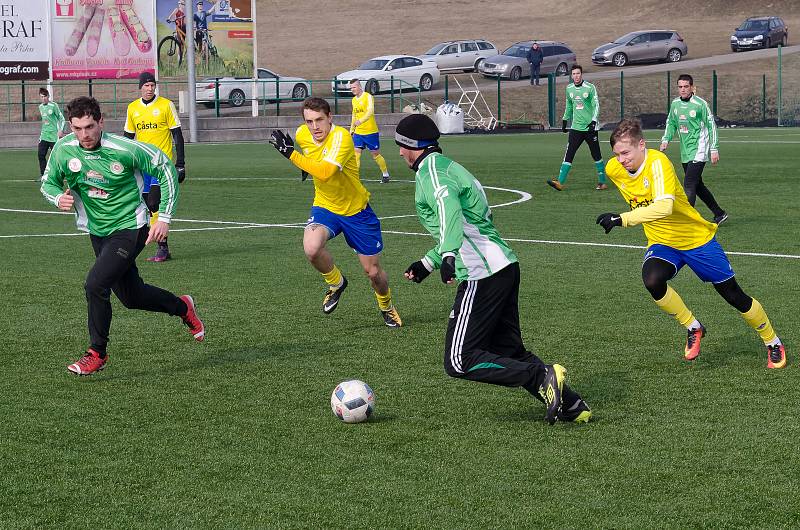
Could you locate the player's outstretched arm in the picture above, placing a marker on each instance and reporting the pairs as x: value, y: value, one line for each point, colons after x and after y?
x: 284, y: 144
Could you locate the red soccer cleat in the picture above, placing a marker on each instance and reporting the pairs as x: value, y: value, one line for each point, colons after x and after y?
x: 693, y: 343
x: 90, y: 363
x: 776, y: 356
x: 196, y: 327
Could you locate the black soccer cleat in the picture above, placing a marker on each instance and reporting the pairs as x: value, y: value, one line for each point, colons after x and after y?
x: 721, y: 218
x: 331, y: 299
x: 580, y: 413
x: 550, y: 391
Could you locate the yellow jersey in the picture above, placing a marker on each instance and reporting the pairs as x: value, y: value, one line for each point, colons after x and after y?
x: 343, y: 193
x: 684, y: 228
x: 364, y: 111
x: 152, y: 123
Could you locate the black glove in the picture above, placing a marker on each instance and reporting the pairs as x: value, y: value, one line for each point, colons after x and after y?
x: 592, y: 126
x: 303, y: 175
x: 282, y: 142
x: 418, y: 271
x: 564, y: 126
x: 181, y: 173
x: 448, y: 269
x: 609, y: 221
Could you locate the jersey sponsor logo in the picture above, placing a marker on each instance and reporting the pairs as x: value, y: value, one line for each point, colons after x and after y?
x: 91, y: 157
x: 146, y: 126
x: 684, y: 129
x: 95, y: 176
x: 74, y: 165
x: 97, y: 193
x: 682, y: 117
x: 636, y: 203
x: 116, y: 168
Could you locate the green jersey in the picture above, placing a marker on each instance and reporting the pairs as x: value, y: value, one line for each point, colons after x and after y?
x: 452, y: 206
x: 107, y: 182
x: 52, y: 122
x: 582, y: 105
x: 694, y: 123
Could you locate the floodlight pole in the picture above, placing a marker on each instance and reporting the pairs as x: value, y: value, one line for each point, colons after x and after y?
x: 189, y: 43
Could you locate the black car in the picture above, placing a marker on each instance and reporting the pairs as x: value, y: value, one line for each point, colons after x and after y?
x: 760, y: 32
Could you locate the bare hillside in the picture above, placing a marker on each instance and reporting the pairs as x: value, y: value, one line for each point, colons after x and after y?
x: 320, y: 39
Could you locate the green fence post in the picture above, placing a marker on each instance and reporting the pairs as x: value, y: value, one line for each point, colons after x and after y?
x: 23, y: 99
x: 621, y: 95
x: 498, y: 100
x: 335, y: 96
x: 90, y: 88
x: 216, y: 96
x: 551, y: 99
x: 115, y: 99
x: 669, y: 91
x: 446, y: 88
x: 763, y: 97
x: 277, y: 96
x: 714, y: 92
x: 780, y: 84
x: 391, y: 93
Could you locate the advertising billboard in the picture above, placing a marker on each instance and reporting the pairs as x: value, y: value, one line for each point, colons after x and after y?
x: 24, y: 40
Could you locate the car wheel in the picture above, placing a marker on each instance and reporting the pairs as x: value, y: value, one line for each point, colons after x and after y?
x: 674, y: 55
x: 619, y: 59
x: 236, y: 98
x: 768, y: 44
x: 734, y: 49
x: 478, y: 64
x: 299, y: 92
x: 426, y: 82
x: 561, y: 69
x: 516, y: 73
x: 372, y: 86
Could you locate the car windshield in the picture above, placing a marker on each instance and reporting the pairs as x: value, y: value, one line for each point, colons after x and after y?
x: 373, y: 64
x: 625, y: 38
x: 517, y: 50
x: 436, y: 49
x: 753, y: 25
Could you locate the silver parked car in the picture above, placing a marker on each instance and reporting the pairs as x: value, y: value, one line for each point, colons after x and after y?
x: 642, y: 46
x: 464, y: 55
x: 513, y: 63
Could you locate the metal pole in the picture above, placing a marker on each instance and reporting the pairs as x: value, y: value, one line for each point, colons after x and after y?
x: 763, y: 97
x: 669, y: 91
x: 335, y: 96
x: 191, y: 80
x: 780, y: 84
x: 498, y: 99
x: 216, y: 95
x: 391, y: 93
x: 23, y: 99
x: 621, y: 95
x: 277, y: 96
x: 551, y: 99
x: 714, y: 92
x: 446, y: 88
x: 90, y: 88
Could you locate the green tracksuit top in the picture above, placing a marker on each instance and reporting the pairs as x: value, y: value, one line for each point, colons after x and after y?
x: 452, y: 206
x: 694, y: 123
x: 582, y: 105
x: 106, y: 182
x: 52, y: 122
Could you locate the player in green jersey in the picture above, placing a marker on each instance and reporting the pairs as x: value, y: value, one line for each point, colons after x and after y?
x: 52, y: 126
x: 100, y: 176
x: 691, y: 118
x: 483, y: 341
x: 583, y: 108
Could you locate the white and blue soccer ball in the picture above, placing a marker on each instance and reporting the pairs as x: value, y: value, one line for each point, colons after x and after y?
x: 353, y: 401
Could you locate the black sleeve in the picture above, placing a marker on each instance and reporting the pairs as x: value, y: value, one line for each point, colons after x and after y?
x: 129, y: 135
x: 177, y: 138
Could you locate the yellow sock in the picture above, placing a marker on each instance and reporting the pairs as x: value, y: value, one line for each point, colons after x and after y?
x: 673, y: 305
x: 757, y: 319
x: 384, y: 300
x: 333, y: 278
x: 153, y: 218
x: 382, y: 164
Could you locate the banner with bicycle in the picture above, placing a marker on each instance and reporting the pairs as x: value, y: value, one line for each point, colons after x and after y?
x: 102, y: 39
x: 224, y: 39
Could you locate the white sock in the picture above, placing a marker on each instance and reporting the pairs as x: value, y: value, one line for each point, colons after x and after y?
x: 694, y: 325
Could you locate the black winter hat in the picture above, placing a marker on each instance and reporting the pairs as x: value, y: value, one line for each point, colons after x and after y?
x: 416, y: 131
x: 146, y: 77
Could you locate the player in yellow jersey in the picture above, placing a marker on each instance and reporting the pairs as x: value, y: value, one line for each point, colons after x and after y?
x: 364, y: 128
x: 341, y: 205
x: 154, y: 120
x: 676, y: 236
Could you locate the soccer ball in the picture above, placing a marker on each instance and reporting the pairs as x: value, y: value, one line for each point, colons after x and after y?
x: 353, y: 401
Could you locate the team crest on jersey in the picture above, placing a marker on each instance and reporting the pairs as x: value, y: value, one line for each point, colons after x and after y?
x: 692, y: 113
x: 585, y: 95
x: 116, y: 168
x: 74, y: 165
x: 646, y: 183
x: 325, y: 151
x: 156, y: 112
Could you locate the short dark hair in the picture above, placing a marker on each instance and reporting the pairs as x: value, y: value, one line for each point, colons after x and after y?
x: 686, y: 77
x: 356, y: 80
x: 316, y: 104
x: 628, y: 128
x: 576, y: 66
x: 83, y: 106
x: 44, y: 92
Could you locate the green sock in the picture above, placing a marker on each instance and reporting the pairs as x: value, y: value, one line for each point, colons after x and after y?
x: 601, y: 173
x: 562, y: 174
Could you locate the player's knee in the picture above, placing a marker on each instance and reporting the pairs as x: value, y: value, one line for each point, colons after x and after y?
x: 734, y: 295
x: 96, y: 289
x: 449, y: 369
x: 373, y: 272
x: 655, y: 283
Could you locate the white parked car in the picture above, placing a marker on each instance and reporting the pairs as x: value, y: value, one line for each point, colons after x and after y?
x: 460, y: 55
x: 376, y: 74
x: 238, y: 90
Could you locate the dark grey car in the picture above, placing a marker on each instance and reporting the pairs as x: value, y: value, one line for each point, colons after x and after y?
x: 760, y: 32
x: 513, y: 64
x: 642, y: 46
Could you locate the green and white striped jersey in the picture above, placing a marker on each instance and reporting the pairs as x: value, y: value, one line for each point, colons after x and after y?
x: 53, y: 122
x: 695, y: 125
x: 107, y: 182
x: 582, y: 105
x: 452, y: 206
